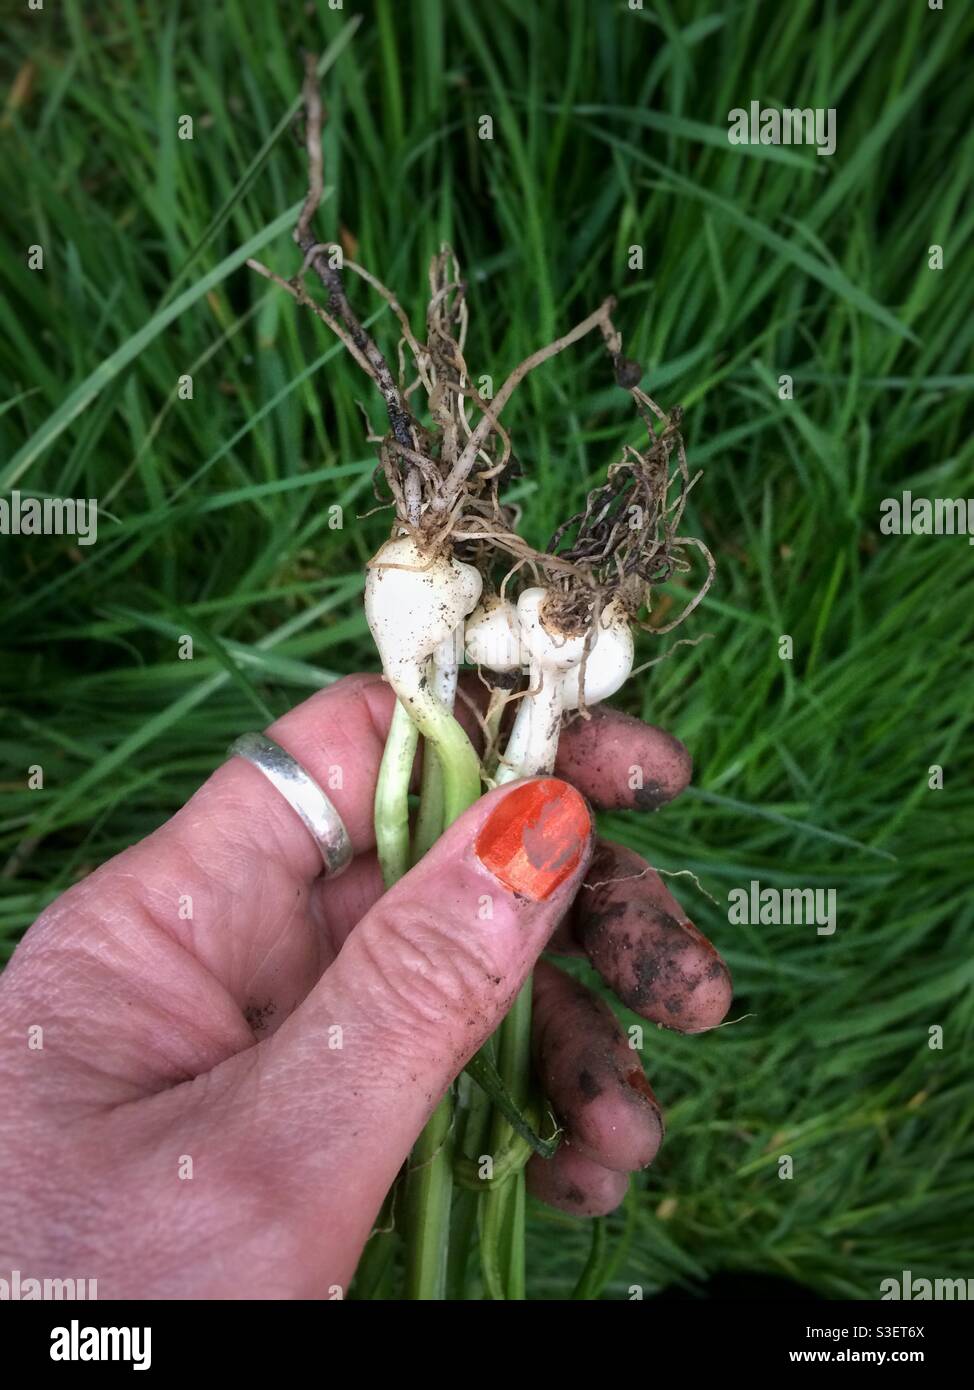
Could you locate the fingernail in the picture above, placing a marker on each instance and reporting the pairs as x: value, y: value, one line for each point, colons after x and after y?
x: 534, y: 839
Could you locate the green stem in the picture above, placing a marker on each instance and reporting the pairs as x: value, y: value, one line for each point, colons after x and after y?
x: 502, y: 1241
x: 591, y: 1281
x: 459, y: 761
x: 482, y: 1070
x: 426, y: 1208
x: 429, y: 822
x: 442, y: 676
x: 429, y: 1186
x: 373, y: 1267
x: 466, y: 1203
x: 392, y: 796
x: 507, y: 1162
x: 531, y: 749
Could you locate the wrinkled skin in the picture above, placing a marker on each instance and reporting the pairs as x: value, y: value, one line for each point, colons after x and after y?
x: 190, y: 1127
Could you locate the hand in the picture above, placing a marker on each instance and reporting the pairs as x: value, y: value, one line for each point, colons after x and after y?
x: 236, y: 1056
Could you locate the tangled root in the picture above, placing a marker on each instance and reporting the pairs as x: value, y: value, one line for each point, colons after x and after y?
x: 443, y: 478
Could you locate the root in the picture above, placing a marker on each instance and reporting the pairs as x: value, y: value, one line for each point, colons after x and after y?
x: 443, y: 478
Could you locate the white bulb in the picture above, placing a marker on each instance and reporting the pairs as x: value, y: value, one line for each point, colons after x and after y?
x: 414, y: 601
x: 492, y: 636
x: 550, y: 650
x: 609, y: 662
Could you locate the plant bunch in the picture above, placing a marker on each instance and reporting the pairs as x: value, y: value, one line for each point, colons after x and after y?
x: 550, y: 633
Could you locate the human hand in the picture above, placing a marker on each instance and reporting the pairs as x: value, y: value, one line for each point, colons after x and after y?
x: 189, y: 1127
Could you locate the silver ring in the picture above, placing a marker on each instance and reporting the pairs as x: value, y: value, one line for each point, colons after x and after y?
x: 303, y: 794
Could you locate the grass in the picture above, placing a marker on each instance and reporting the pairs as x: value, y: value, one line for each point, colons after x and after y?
x: 609, y: 131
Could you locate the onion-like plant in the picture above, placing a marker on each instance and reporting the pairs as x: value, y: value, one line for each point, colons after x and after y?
x: 436, y: 589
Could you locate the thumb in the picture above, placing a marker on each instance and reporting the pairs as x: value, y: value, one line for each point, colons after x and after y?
x: 425, y: 977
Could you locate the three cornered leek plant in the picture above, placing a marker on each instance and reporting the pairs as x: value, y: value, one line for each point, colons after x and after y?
x: 441, y: 589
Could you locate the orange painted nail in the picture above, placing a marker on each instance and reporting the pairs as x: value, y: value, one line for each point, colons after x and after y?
x: 535, y: 837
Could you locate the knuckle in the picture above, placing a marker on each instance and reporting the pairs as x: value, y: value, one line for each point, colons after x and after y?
x: 425, y: 967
